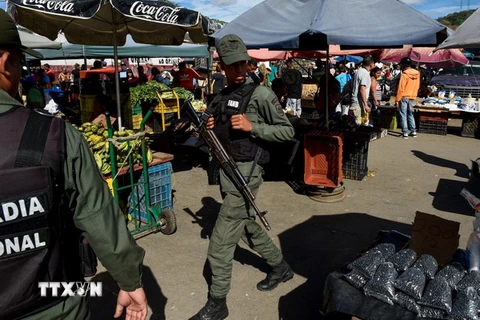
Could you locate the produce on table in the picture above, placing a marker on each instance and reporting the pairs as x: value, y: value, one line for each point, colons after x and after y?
x: 148, y: 92
x: 97, y: 136
x: 199, y: 105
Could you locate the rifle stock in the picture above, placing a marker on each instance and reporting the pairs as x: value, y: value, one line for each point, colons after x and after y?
x: 226, y: 162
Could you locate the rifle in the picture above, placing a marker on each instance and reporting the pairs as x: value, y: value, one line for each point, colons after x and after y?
x: 226, y: 162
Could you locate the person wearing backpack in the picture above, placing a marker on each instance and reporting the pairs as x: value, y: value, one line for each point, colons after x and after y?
x: 51, y: 194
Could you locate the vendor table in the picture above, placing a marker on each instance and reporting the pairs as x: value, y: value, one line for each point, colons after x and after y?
x: 435, y: 120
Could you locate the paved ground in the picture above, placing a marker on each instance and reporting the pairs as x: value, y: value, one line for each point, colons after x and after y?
x: 424, y: 174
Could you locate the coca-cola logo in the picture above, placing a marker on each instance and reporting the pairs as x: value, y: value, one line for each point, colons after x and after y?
x: 163, y: 13
x: 66, y: 6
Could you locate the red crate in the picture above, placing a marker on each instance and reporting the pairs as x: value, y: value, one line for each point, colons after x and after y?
x: 434, y: 116
x: 323, y: 158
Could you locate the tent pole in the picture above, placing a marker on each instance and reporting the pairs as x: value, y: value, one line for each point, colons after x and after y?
x: 327, y: 71
x: 117, y: 76
x: 84, y: 55
x: 210, y: 68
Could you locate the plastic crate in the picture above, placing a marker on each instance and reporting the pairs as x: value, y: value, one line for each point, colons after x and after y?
x: 355, y: 156
x: 433, y: 116
x: 169, y: 105
x: 387, y: 119
x: 87, y: 102
x: 323, y: 158
x: 470, y: 127
x: 433, y: 127
x: 160, y: 182
x: 133, y: 117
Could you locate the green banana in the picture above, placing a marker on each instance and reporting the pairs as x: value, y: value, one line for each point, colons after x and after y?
x: 98, y: 160
x: 149, y: 155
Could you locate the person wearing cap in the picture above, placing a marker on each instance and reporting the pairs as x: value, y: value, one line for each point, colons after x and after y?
x: 407, y: 92
x: 244, y: 116
x: 77, y: 194
x: 148, y: 72
x: 35, y: 95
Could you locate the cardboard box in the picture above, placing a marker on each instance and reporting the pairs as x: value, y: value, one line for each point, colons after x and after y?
x: 435, y: 236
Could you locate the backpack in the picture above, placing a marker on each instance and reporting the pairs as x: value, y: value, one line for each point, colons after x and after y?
x: 346, y: 98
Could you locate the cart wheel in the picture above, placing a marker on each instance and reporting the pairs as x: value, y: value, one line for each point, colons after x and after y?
x: 168, y: 222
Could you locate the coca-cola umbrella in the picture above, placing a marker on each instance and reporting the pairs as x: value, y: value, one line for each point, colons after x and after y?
x: 107, y: 23
x: 446, y: 58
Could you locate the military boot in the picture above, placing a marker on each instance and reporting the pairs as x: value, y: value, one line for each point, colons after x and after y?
x: 214, y: 309
x: 280, y: 273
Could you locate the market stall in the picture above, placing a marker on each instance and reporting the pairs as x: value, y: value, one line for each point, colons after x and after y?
x: 398, y: 277
x: 434, y: 113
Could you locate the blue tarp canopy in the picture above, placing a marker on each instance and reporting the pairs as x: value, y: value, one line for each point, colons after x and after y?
x: 130, y: 50
x: 314, y: 24
x: 349, y: 58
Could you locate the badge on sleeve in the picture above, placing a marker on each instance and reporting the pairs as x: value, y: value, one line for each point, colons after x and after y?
x: 278, y: 106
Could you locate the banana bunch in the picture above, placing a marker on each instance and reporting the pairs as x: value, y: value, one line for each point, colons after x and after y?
x: 96, y: 137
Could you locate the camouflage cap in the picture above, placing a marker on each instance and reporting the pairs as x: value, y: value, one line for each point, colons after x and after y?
x: 231, y: 49
x: 9, y: 37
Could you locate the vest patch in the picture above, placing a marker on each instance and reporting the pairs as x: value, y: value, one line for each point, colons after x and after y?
x: 24, y: 208
x: 12, y: 245
x: 233, y: 104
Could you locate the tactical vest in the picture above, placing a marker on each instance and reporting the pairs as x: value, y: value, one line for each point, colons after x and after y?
x: 239, y: 144
x: 31, y: 227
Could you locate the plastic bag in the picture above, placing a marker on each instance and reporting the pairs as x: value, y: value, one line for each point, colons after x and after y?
x: 438, y: 294
x: 465, y: 305
x: 356, y: 279
x: 381, y: 285
x: 427, y: 264
x: 403, y: 259
x: 453, y: 273
x: 432, y: 313
x: 411, y: 282
x: 368, y: 263
x: 387, y: 249
x: 472, y: 279
x: 407, y: 302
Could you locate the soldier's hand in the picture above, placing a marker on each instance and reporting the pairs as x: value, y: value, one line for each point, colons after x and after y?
x: 210, y: 123
x: 135, y: 302
x: 241, y: 122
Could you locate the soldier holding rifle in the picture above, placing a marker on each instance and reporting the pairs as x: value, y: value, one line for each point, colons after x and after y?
x: 245, y: 118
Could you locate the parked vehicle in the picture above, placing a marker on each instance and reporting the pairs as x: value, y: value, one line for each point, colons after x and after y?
x: 463, y: 80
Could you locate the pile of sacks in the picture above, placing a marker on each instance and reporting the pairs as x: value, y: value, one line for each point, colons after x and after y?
x: 418, y: 285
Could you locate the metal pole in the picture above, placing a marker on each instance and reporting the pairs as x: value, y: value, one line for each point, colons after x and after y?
x: 117, y: 75
x: 327, y: 71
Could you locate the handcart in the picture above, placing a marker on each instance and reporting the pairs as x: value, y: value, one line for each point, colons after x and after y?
x: 150, y: 206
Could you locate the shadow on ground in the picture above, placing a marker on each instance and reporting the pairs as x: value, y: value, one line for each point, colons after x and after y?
x: 320, y: 246
x: 104, y: 307
x: 462, y: 169
x: 447, y: 197
x: 206, y: 217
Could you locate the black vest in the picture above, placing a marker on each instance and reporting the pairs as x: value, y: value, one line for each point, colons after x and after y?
x: 32, y: 230
x: 240, y: 145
